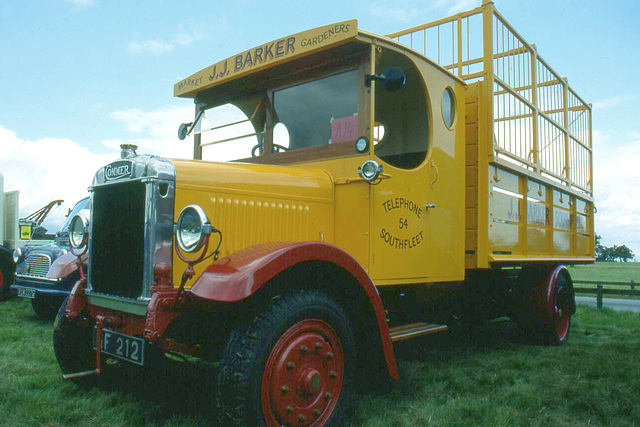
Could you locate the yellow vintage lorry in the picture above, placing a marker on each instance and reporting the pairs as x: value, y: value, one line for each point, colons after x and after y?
x: 347, y: 191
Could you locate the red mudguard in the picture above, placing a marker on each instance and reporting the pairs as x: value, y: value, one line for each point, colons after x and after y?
x: 241, y: 274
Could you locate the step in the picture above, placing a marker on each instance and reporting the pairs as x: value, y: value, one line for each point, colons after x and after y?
x: 412, y: 330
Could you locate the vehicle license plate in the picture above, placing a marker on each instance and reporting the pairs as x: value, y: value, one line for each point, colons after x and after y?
x: 27, y: 293
x: 122, y: 346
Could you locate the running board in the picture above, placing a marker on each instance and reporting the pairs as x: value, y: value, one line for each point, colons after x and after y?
x: 412, y: 330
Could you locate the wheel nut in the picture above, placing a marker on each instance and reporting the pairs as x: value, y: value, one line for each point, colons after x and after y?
x: 333, y: 374
x: 327, y: 396
x: 291, y: 365
x: 318, y: 345
x: 316, y: 413
x: 329, y: 355
x: 288, y: 409
x: 301, y: 418
x: 285, y: 389
x: 304, y: 349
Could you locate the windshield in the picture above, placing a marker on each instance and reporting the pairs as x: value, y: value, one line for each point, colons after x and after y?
x: 314, y: 114
x: 232, y: 131
x: 83, y: 206
x: 320, y: 112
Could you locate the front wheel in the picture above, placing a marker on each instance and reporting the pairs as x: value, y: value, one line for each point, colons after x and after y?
x: 5, y: 273
x: 46, y: 307
x: 73, y: 347
x: 293, y: 365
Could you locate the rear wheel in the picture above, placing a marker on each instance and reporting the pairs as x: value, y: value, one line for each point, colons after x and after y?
x: 293, y: 365
x: 557, y: 331
x: 547, y: 304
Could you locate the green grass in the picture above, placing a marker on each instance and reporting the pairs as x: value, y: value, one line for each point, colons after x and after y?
x: 622, y: 272
x: 607, y: 271
x: 487, y: 376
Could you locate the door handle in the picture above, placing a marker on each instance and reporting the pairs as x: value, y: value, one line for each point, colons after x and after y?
x: 435, y: 170
x: 428, y: 206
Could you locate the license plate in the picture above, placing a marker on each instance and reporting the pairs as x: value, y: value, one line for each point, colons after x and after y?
x: 27, y: 293
x: 122, y: 346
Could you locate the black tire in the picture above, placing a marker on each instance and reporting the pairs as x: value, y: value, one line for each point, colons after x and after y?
x: 73, y: 347
x: 310, y: 332
x: 45, y: 306
x: 5, y: 281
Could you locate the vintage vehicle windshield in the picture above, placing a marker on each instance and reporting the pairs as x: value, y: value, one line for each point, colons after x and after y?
x: 319, y: 113
x: 83, y: 206
x: 231, y: 131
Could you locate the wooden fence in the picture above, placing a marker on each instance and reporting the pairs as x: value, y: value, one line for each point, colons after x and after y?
x: 605, y: 288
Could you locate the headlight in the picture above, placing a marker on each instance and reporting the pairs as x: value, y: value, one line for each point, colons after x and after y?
x: 192, y: 227
x: 79, y: 231
x: 57, y: 253
x: 17, y: 255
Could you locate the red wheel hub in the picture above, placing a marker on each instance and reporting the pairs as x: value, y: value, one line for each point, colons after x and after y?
x: 303, y: 375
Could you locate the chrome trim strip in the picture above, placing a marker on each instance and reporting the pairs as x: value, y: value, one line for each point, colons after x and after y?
x: 39, y: 278
x: 137, y: 307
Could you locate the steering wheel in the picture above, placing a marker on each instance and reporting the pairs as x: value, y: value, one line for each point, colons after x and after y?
x: 277, y: 148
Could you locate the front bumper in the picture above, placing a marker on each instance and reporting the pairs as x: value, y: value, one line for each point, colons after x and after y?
x: 53, y: 287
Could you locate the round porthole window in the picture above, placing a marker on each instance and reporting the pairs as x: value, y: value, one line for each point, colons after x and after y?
x: 448, y: 107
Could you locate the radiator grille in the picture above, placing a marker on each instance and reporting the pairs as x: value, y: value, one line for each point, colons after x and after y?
x: 117, y: 239
x: 37, y: 265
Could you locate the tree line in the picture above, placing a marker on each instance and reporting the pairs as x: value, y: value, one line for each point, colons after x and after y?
x: 612, y: 253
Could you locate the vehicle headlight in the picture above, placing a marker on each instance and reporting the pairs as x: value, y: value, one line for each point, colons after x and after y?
x: 79, y: 231
x: 17, y: 255
x: 192, y: 228
x: 57, y: 253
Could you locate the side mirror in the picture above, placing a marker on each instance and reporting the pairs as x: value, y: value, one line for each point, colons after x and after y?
x: 392, y: 79
x: 183, y: 130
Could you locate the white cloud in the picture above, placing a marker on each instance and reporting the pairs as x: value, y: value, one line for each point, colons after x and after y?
x: 158, y: 47
x: 47, y: 169
x: 156, y: 131
x: 616, y: 178
x: 154, y: 46
x: 612, y: 102
x: 60, y: 168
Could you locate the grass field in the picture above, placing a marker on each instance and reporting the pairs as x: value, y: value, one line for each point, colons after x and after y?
x: 487, y: 376
x: 607, y: 271
x: 622, y: 272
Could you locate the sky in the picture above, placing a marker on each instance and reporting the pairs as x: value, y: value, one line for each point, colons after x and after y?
x: 80, y: 77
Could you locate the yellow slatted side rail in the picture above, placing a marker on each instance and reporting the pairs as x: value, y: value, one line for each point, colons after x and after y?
x: 538, y: 121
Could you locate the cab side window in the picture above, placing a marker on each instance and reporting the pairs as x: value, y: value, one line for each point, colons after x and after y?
x: 401, y: 134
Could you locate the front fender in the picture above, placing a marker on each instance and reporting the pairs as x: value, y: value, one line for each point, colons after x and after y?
x: 243, y: 273
x: 65, y: 265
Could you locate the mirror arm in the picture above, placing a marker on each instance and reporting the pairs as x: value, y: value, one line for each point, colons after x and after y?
x: 372, y: 77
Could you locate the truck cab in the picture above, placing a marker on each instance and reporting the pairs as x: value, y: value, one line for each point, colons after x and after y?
x: 338, y: 110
